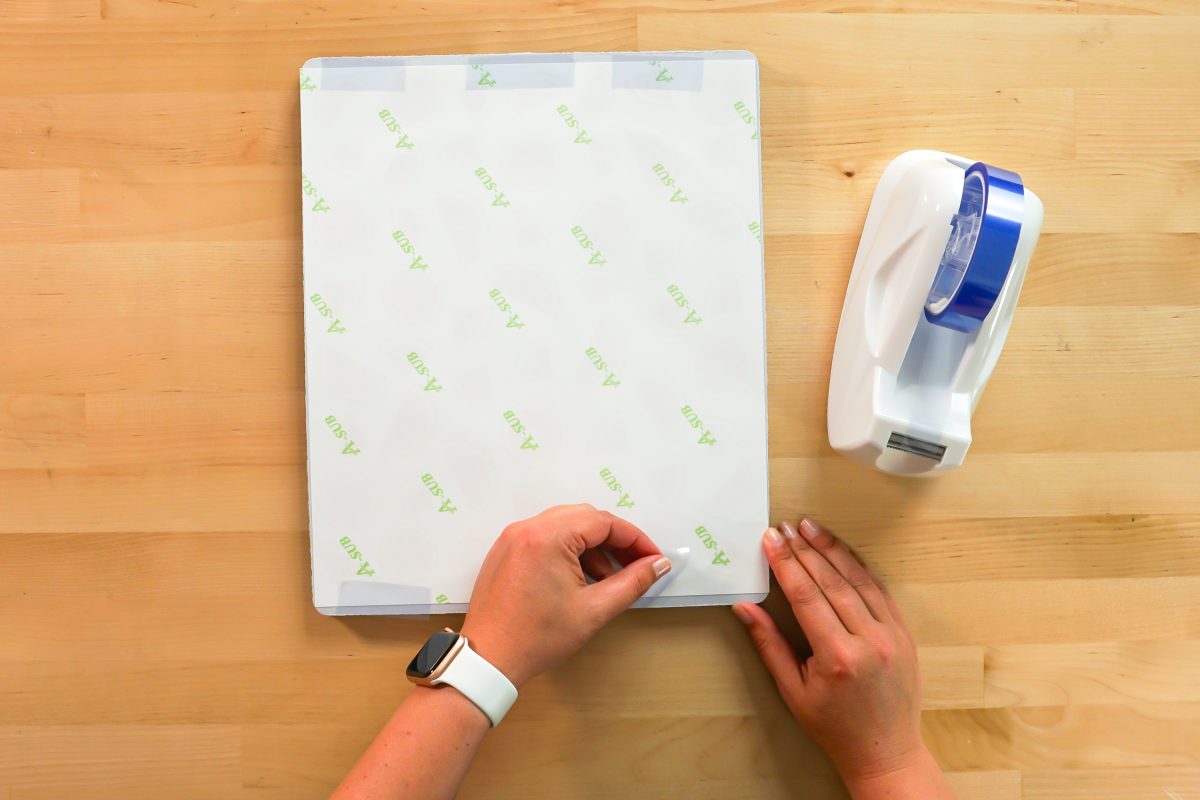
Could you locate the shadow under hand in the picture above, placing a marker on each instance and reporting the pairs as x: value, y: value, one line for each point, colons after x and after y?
x: 410, y: 632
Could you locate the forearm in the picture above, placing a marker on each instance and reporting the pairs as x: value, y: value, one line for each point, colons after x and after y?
x: 922, y: 779
x: 422, y: 752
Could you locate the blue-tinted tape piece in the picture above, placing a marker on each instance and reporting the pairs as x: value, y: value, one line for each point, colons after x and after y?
x: 362, y: 74
x: 681, y: 72
x: 534, y: 71
x: 979, y: 254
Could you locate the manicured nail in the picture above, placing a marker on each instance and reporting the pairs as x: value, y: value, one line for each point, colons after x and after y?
x: 789, y: 530
x: 742, y: 615
x: 661, y: 567
x: 773, y: 537
x: 809, y: 528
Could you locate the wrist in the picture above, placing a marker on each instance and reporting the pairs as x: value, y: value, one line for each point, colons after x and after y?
x: 502, y: 653
x: 451, y: 705
x: 907, y: 775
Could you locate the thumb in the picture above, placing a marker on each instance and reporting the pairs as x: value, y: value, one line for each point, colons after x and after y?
x: 773, y: 649
x: 618, y: 591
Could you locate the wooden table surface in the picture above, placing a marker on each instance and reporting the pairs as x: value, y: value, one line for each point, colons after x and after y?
x: 157, y: 638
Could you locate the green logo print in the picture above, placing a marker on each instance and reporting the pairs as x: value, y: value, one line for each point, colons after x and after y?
x: 599, y: 363
x: 747, y: 117
x: 694, y: 420
x: 614, y: 485
x: 325, y: 311
x: 664, y: 74
x: 340, y: 432
x: 485, y: 77
x: 353, y: 552
x: 441, y: 598
x: 436, y: 490
x: 307, y: 84
x: 719, y: 560
x: 518, y: 428
x: 581, y: 236
x: 403, y: 141
x: 569, y: 118
x: 756, y: 229
x: 401, y: 238
x: 514, y: 319
x: 490, y: 185
x: 309, y: 190
x: 665, y: 178
x: 692, y: 318
x: 431, y: 385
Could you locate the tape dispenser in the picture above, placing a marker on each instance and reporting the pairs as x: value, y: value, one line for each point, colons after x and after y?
x: 931, y: 297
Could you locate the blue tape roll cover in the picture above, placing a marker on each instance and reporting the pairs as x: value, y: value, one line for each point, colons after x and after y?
x: 990, y: 213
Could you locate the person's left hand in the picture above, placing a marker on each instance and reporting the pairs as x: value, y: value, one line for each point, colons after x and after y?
x: 532, y: 606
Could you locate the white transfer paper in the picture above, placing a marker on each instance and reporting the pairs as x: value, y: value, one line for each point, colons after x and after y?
x: 531, y: 280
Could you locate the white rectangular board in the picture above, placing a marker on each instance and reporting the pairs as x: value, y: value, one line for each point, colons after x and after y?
x: 531, y: 280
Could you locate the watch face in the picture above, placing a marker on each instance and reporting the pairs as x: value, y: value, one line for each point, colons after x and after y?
x: 426, y: 661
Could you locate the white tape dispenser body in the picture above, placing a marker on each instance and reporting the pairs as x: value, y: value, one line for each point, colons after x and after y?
x: 933, y: 291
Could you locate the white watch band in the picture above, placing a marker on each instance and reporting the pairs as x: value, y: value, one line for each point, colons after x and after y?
x: 483, y: 684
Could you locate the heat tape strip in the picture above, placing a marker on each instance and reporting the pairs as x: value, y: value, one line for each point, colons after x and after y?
x: 983, y: 239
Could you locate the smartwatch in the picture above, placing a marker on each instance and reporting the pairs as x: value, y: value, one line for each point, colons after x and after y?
x: 447, y: 659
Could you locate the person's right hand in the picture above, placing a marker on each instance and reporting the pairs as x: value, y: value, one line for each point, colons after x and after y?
x: 532, y: 605
x: 859, y: 694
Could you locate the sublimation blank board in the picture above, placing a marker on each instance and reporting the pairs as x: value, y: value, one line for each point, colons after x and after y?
x: 531, y: 280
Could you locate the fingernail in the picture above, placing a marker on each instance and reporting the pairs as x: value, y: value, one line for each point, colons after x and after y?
x: 773, y: 537
x: 788, y: 530
x: 742, y: 615
x: 661, y: 567
x: 809, y: 528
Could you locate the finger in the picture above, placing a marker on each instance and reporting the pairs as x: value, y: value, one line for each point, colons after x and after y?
x: 567, y: 509
x: 618, y: 591
x: 773, y: 649
x: 626, y: 556
x: 584, y: 527
x: 843, y: 597
x: 596, y: 565
x: 816, y: 617
x: 879, y: 582
x: 893, y: 606
x: 848, y: 566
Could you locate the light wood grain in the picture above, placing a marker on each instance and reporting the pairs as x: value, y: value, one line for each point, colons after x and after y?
x: 1131, y: 783
x: 156, y: 631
